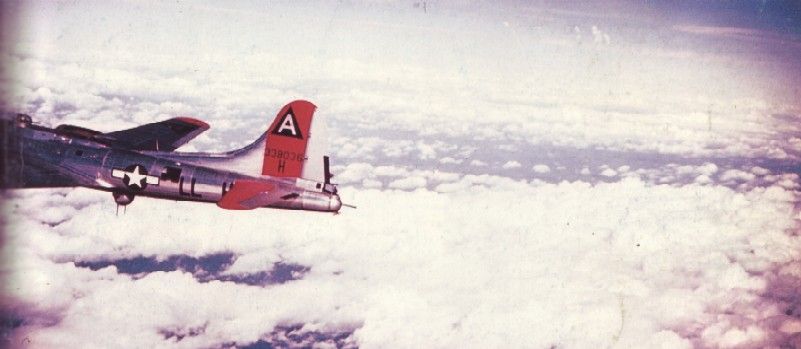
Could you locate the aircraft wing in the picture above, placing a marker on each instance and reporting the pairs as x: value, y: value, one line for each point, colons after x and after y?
x: 247, y: 195
x: 165, y: 135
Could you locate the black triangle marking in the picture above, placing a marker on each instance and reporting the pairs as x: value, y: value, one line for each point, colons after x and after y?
x: 288, y: 125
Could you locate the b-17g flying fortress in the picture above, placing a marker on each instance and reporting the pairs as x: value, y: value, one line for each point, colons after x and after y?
x: 270, y: 172
x: 572, y: 174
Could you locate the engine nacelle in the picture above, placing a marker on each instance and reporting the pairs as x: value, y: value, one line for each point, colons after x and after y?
x: 122, y: 199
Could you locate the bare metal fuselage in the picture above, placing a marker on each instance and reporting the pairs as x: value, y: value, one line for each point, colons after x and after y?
x: 37, y: 156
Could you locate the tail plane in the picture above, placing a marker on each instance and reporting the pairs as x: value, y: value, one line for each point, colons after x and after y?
x: 292, y: 146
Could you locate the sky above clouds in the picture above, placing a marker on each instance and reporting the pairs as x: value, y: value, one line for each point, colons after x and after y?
x: 536, y: 175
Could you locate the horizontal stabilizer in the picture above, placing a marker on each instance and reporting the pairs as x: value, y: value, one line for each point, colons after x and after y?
x: 247, y: 195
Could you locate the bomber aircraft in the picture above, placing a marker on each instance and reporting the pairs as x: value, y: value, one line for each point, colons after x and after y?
x: 284, y: 168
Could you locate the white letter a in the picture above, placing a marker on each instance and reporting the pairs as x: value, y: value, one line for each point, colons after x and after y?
x: 288, y: 124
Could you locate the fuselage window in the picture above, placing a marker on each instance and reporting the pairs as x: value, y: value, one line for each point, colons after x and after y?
x: 171, y: 174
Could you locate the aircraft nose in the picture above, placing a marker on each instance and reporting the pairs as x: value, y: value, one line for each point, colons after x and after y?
x: 335, y: 204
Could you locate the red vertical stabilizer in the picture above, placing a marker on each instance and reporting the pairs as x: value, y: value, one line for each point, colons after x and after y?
x: 287, y: 137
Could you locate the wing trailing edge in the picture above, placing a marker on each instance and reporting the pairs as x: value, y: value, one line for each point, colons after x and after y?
x: 166, y: 135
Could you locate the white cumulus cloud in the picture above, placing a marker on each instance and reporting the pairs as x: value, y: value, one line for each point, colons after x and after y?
x: 541, y: 168
x: 511, y: 164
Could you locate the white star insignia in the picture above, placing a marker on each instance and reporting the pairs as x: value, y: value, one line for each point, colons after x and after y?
x: 136, y: 177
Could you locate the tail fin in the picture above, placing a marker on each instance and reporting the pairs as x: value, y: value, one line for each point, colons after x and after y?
x: 287, y: 140
x: 293, y: 146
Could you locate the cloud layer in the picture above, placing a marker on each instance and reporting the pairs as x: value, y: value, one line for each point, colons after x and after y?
x: 510, y: 264
x: 525, y: 177
x: 626, y: 94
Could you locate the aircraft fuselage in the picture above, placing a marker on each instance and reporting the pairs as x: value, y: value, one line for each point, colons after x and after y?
x: 42, y: 157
